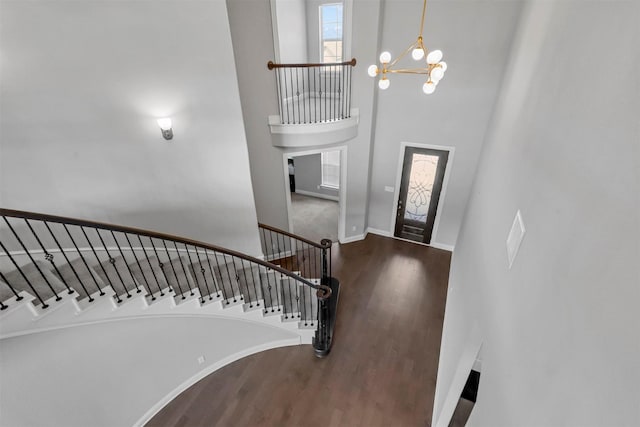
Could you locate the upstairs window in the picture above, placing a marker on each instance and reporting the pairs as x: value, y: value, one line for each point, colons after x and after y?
x: 331, y: 32
x: 330, y: 169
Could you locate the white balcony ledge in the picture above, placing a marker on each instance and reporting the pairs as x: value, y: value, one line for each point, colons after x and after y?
x: 314, y: 134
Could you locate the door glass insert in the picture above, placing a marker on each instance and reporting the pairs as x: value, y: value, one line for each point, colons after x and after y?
x: 423, y: 175
x: 420, y: 187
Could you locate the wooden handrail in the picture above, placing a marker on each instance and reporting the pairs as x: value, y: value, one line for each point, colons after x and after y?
x: 271, y: 65
x: 324, y: 243
x: 324, y: 292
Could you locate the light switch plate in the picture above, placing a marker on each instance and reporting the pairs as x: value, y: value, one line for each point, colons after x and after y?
x: 388, y: 189
x: 516, y: 234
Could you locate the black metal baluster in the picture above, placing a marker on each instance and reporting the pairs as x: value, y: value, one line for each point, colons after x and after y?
x: 304, y: 269
x: 175, y: 274
x: 280, y: 248
x: 204, y: 277
x: 286, y: 94
x: 263, y: 241
x: 213, y: 276
x: 226, y: 265
x: 68, y: 262
x: 221, y: 275
x: 173, y: 268
x: 270, y: 289
x: 186, y: 275
x: 160, y: 264
x: 318, y: 258
x: 253, y: 281
x: 257, y: 289
x: 308, y: 71
x: 294, y: 255
x: 337, y: 101
x: 305, y: 299
x: 84, y: 261
x: 283, y: 295
x: 344, y: 91
x: 340, y: 92
x: 298, y: 95
x: 312, y: 255
x: 291, y: 311
x: 324, y: 101
x: 58, y: 298
x: 303, y: 71
x: 279, y: 89
x: 36, y: 294
x: 195, y: 276
x: 48, y: 256
x: 272, y: 248
x: 278, y: 296
x: 100, y: 264
x: 144, y: 276
x: 246, y: 283
x: 234, y: 261
x: 332, y: 92
x: 315, y: 97
x: 348, y: 93
x: 297, y: 286
x: 135, y: 283
x: 112, y: 261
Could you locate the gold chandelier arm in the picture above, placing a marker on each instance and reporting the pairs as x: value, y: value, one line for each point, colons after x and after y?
x: 424, y: 10
x: 399, y: 57
x: 410, y: 71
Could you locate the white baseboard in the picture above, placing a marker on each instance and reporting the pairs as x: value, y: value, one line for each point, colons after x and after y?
x: 442, y: 246
x: 318, y: 195
x: 353, y: 238
x: 379, y: 232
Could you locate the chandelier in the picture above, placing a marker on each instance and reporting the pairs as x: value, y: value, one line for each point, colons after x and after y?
x: 433, y: 70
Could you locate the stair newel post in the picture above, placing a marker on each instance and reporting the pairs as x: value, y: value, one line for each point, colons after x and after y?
x: 321, y: 343
x: 326, y: 259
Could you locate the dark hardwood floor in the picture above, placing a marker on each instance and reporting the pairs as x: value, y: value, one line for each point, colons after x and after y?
x: 381, y: 370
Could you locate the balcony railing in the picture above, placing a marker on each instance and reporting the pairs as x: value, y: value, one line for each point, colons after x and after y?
x: 313, y: 93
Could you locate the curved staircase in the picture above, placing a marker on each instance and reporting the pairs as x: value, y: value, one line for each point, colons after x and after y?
x: 59, y: 273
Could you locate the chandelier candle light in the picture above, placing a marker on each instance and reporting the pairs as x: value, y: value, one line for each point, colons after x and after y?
x: 434, y: 69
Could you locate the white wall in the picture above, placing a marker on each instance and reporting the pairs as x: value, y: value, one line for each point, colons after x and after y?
x: 112, y: 374
x: 251, y: 31
x: 560, y: 329
x: 308, y: 175
x: 475, y: 38
x: 313, y: 28
x: 82, y: 86
x: 292, y: 31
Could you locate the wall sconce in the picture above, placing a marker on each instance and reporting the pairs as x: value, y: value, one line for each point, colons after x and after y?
x: 165, y: 126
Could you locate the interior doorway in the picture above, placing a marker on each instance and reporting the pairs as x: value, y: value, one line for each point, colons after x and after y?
x: 315, y: 189
x: 421, y: 184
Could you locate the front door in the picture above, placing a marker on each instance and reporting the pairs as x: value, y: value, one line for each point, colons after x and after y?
x: 420, y: 186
